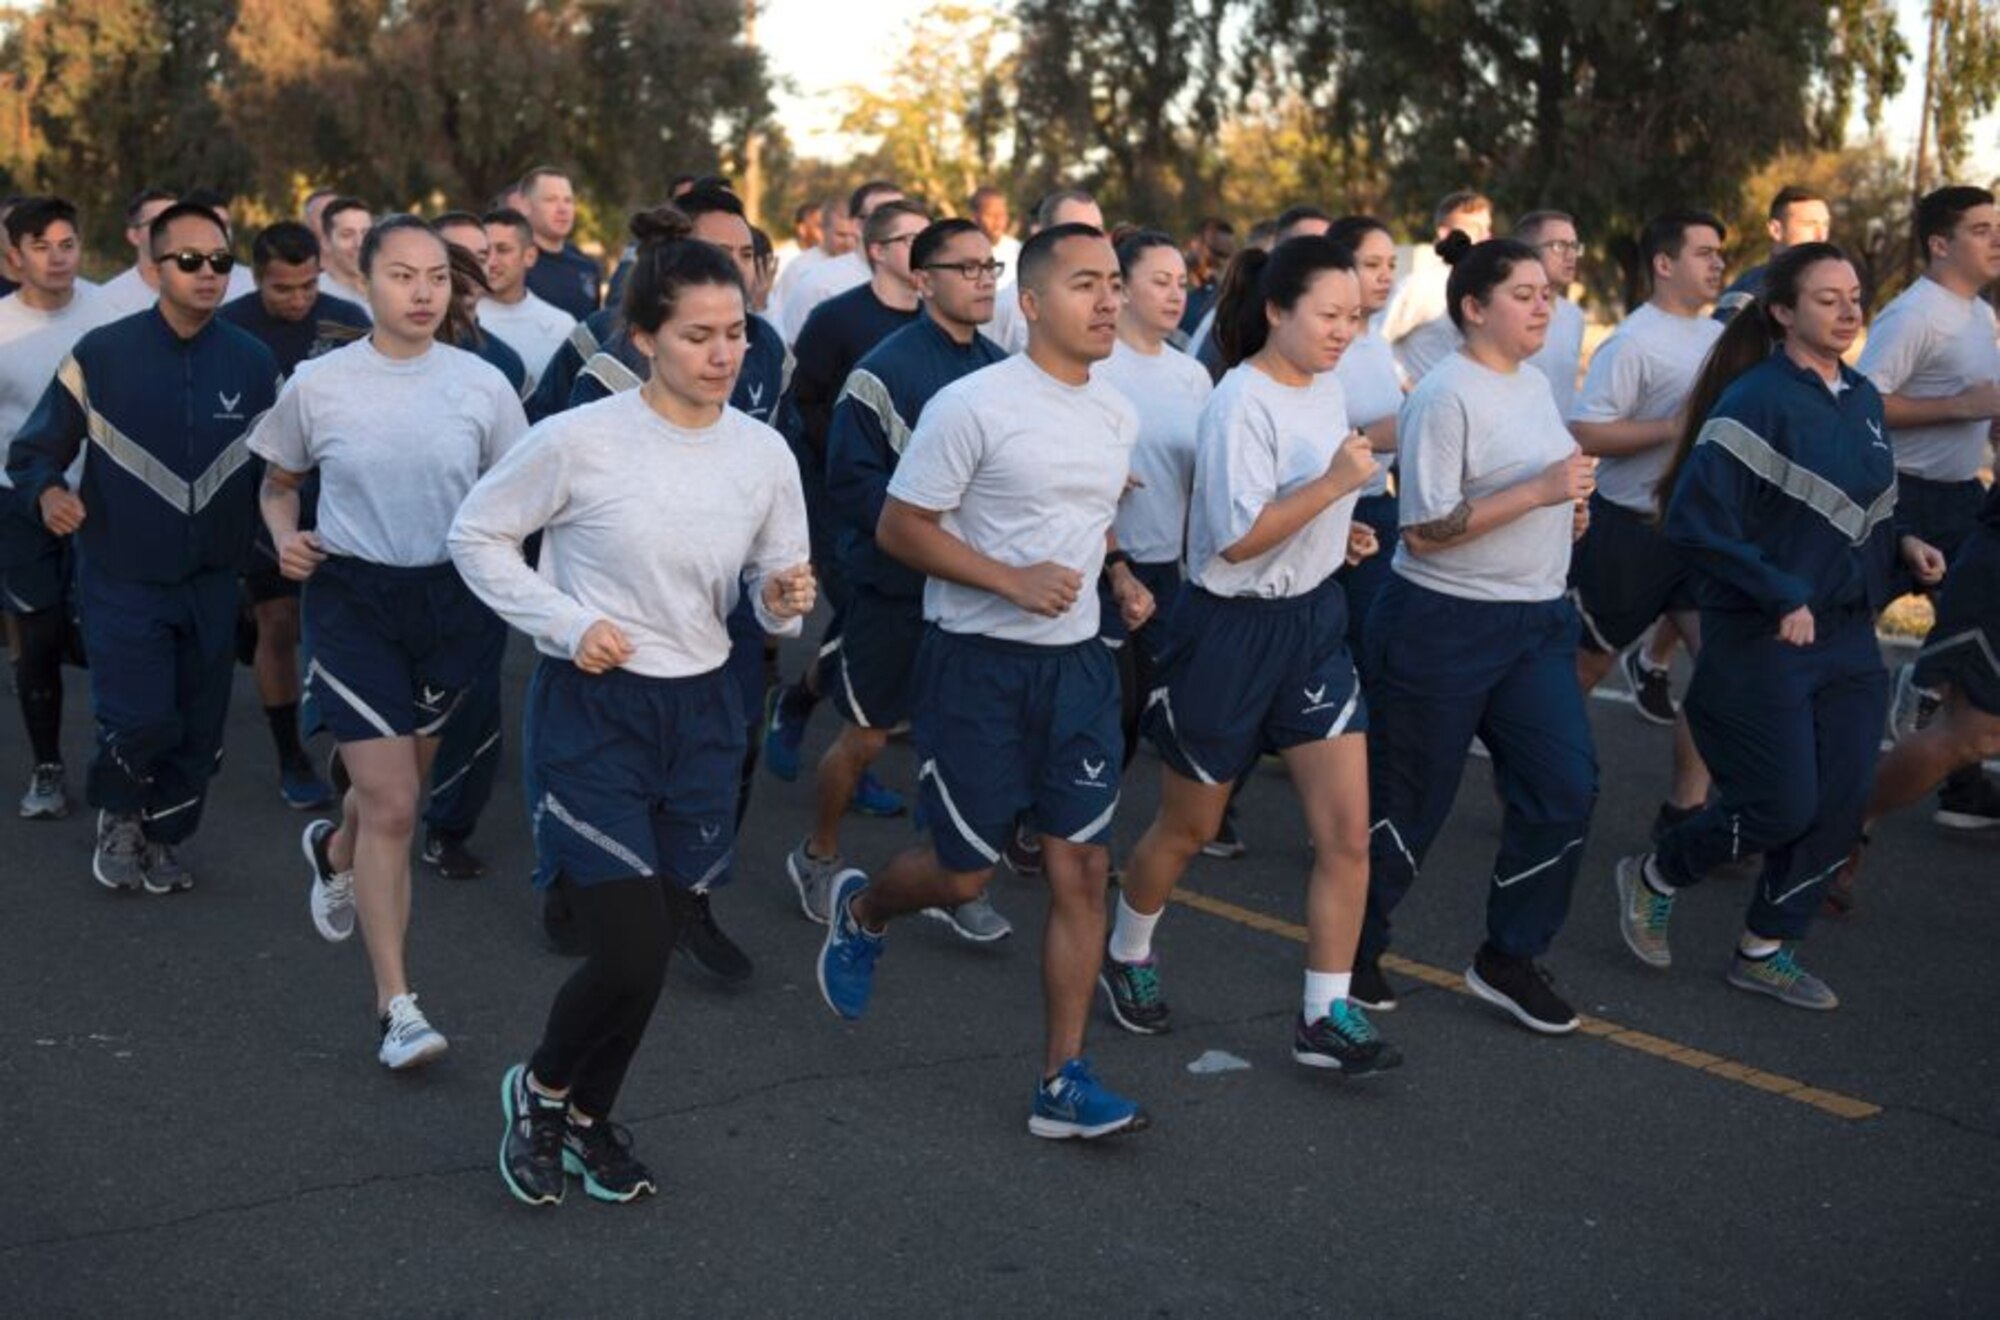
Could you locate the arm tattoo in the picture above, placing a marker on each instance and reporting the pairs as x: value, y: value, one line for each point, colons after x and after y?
x: 1448, y: 528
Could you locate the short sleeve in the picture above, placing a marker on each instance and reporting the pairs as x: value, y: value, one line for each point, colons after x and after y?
x: 1614, y: 383
x: 1896, y: 344
x: 283, y: 436
x: 943, y: 453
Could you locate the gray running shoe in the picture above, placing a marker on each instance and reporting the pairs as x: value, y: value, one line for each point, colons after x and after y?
x: 408, y: 1039
x: 120, y: 859
x: 331, y: 900
x: 47, y: 797
x: 813, y: 878
x: 1781, y: 977
x: 165, y: 873
x: 975, y: 920
x: 1643, y: 914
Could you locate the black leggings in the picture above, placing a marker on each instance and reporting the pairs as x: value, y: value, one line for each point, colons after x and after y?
x: 600, y: 1014
x: 39, y: 681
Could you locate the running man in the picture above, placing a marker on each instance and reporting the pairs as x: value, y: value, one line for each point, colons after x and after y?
x: 511, y: 309
x: 559, y: 273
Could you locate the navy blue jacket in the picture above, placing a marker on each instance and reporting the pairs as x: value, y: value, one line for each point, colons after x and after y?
x: 1788, y: 497
x: 618, y: 366
x: 331, y: 323
x: 167, y: 489
x: 568, y: 279
x: 1743, y: 291
x: 837, y: 334
x: 872, y: 420
x: 586, y: 338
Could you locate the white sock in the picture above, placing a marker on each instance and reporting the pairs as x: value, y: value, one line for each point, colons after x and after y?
x: 1654, y: 880
x: 1756, y: 946
x: 1132, y: 933
x: 1322, y: 988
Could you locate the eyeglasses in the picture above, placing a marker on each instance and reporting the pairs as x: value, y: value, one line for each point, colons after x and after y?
x: 188, y: 261
x: 972, y: 271
x: 1562, y: 247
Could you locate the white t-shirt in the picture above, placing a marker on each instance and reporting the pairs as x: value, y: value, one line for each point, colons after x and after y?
x: 826, y: 279
x: 1419, y: 298
x: 531, y: 327
x: 1931, y: 344
x: 1026, y: 470
x: 1425, y: 346
x: 33, y: 344
x: 1562, y: 353
x: 333, y: 286
x: 1008, y: 328
x: 1368, y: 381
x: 1259, y: 442
x: 1643, y: 374
x: 1466, y: 432
x: 397, y: 441
x: 1168, y: 390
x: 667, y: 573
x: 126, y: 293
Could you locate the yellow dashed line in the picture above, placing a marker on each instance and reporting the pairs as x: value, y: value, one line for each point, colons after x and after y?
x: 1830, y: 1102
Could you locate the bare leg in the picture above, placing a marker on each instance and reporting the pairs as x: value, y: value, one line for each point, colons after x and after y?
x: 1072, y: 942
x: 1691, y: 782
x: 381, y: 817
x: 1332, y: 780
x: 1190, y: 813
x: 1960, y: 735
x: 839, y: 771
x: 277, y: 661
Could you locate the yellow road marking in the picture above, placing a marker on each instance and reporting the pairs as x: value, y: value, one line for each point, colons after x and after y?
x: 1830, y: 1102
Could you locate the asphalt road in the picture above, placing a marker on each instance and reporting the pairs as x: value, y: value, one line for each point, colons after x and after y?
x: 195, y: 1123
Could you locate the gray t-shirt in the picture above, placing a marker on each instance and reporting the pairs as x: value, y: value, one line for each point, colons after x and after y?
x: 1026, y: 470
x: 649, y: 525
x: 1167, y: 389
x: 33, y: 344
x: 1932, y: 344
x: 531, y: 327
x: 1561, y: 353
x: 1466, y: 432
x: 1643, y: 374
x: 1368, y: 381
x: 398, y: 442
x: 1259, y: 442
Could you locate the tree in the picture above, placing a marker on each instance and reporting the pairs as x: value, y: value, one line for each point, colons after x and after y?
x: 1961, y: 83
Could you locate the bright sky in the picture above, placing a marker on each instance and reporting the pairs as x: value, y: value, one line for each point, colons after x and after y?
x: 821, y: 48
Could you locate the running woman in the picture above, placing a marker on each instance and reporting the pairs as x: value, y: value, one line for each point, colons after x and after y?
x: 395, y: 638
x: 162, y: 517
x: 874, y: 667
x: 1782, y: 495
x: 1932, y: 354
x: 1473, y: 635
x: 1370, y: 387
x: 1255, y: 655
x: 635, y: 726
x: 39, y: 324
x: 1004, y: 498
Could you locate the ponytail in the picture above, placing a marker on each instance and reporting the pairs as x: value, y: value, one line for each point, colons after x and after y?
x: 1255, y: 280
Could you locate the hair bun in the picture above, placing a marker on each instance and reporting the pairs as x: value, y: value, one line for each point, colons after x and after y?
x: 662, y: 224
x: 1453, y: 246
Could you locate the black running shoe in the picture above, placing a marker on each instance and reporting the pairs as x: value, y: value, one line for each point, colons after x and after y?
x: 601, y: 1155
x: 1968, y: 801
x: 712, y: 951
x: 559, y: 926
x: 1134, y: 992
x: 1522, y: 987
x: 1344, y: 1040
x: 1370, y: 988
x: 451, y: 858
x: 531, y: 1149
x: 1652, y: 689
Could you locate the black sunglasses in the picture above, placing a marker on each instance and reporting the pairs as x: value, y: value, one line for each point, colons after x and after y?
x: 189, y: 261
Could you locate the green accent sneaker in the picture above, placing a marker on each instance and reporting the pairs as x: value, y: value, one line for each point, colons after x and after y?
x: 1781, y: 977
x: 1643, y: 914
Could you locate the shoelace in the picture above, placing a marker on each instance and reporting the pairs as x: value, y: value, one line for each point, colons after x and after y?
x: 1783, y: 967
x: 605, y: 1142
x: 1351, y: 1022
x: 340, y: 889
x: 1143, y: 980
x: 45, y: 781
x: 407, y: 1021
x: 125, y: 839
x: 1659, y: 907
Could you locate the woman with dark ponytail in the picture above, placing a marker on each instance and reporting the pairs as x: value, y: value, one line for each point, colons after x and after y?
x: 1474, y: 635
x: 1781, y: 494
x: 1255, y: 654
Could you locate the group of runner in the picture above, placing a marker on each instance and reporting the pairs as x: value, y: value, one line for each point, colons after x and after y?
x: 1060, y: 495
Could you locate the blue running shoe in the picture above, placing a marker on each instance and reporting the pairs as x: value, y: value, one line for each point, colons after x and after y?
x: 1075, y: 1104
x: 872, y: 797
x: 303, y: 789
x: 847, y: 958
x: 784, y: 730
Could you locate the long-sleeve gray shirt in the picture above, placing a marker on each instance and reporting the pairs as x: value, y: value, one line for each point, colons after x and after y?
x: 652, y: 526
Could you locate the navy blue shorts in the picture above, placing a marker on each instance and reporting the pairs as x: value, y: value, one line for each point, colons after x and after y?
x: 1005, y: 730
x: 746, y: 653
x: 391, y: 650
x: 875, y: 666
x: 1963, y: 648
x: 633, y: 775
x: 1244, y: 674
x: 1623, y: 576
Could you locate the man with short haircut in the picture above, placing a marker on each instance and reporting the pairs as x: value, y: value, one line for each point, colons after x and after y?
x: 1553, y: 236
x: 956, y: 274
x: 1798, y: 215
x: 343, y: 223
x: 987, y: 208
x: 39, y: 323
x: 1064, y: 206
x: 292, y: 317
x: 1624, y: 575
x: 512, y: 310
x: 1213, y: 244
x: 832, y: 237
x: 133, y: 289
x: 1292, y: 222
x: 163, y: 514
x: 1004, y: 499
x: 829, y: 279
x: 1932, y: 354
x: 1419, y: 301
x: 315, y: 206
x: 560, y: 274
x: 241, y: 285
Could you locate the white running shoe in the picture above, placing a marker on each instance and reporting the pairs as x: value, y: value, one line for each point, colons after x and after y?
x: 408, y: 1038
x: 332, y: 899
